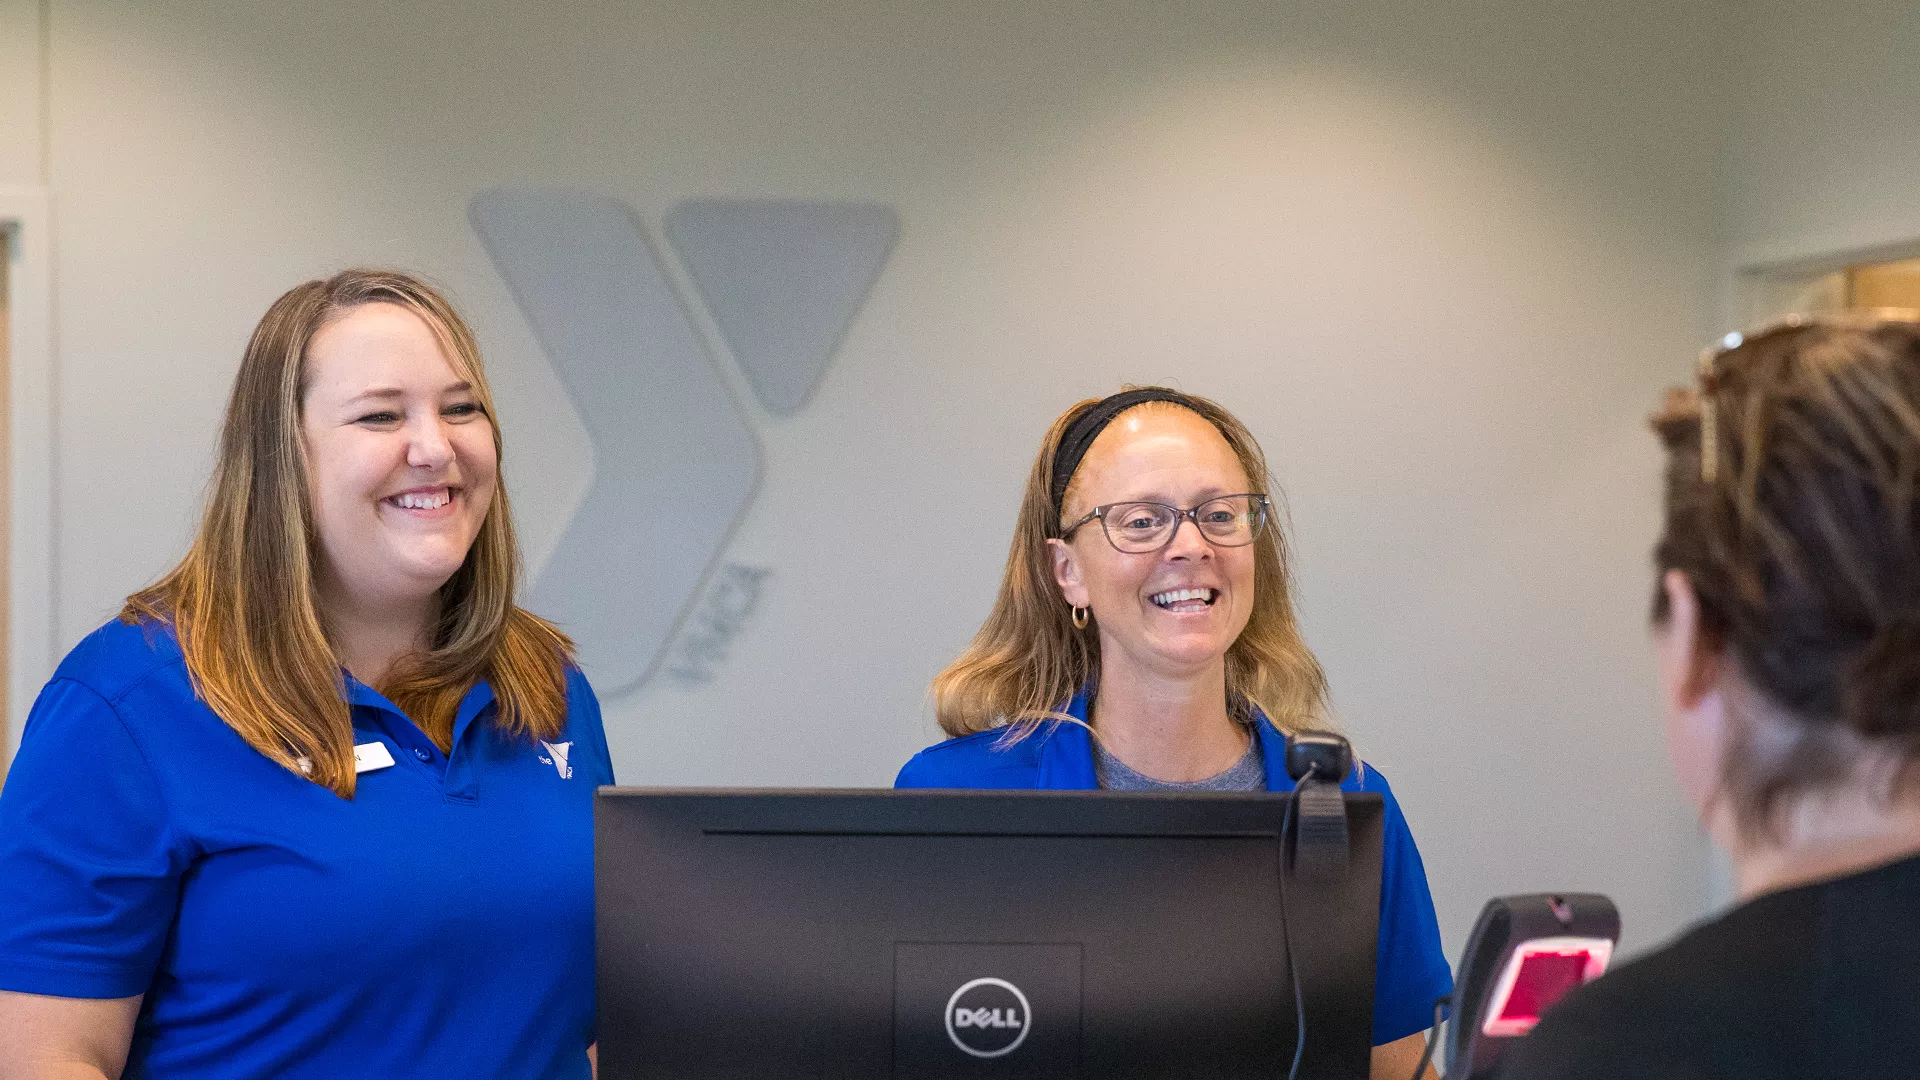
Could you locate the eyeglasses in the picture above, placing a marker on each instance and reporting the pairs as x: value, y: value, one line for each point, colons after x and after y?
x: 1140, y: 528
x: 1710, y: 360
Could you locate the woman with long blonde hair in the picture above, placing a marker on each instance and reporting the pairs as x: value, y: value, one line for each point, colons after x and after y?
x: 319, y: 802
x: 1144, y: 639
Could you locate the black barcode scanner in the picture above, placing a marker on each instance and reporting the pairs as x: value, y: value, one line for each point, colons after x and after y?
x: 1524, y: 954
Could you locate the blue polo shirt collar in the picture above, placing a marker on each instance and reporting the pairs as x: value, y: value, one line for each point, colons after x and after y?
x: 359, y: 693
x: 455, y: 771
x: 471, y: 706
x: 1066, y: 757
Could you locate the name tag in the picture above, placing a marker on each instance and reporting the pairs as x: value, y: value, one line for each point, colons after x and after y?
x: 369, y: 756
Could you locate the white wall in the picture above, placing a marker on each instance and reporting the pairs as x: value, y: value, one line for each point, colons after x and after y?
x: 1441, y: 257
x: 22, y: 138
x: 1824, y: 125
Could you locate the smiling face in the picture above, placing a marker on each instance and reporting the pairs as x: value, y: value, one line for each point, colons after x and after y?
x: 1177, y: 611
x: 401, y: 462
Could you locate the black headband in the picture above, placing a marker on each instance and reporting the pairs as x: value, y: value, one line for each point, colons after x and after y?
x: 1087, y: 427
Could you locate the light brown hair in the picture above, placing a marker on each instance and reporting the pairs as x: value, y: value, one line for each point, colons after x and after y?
x: 1802, y: 541
x: 242, y: 602
x: 1027, y: 659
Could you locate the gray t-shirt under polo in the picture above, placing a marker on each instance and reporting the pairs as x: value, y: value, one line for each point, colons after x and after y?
x: 1247, y: 774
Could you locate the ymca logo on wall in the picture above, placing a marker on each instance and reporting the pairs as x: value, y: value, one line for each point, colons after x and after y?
x: 674, y: 449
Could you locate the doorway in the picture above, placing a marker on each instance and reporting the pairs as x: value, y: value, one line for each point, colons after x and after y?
x: 8, y: 248
x: 27, y: 636
x: 1891, y: 283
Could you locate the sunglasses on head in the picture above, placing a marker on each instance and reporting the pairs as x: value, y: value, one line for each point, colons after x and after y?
x: 1711, y: 365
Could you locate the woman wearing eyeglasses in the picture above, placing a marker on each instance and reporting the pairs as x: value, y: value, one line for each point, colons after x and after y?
x: 1144, y: 639
x: 1787, y: 623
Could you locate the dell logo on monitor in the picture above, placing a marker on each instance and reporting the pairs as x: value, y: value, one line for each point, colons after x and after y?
x: 988, y: 1017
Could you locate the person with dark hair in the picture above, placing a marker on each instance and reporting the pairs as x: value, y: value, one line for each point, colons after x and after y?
x: 1144, y: 639
x: 1788, y: 623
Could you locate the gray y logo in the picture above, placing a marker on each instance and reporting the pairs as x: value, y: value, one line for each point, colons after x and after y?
x: 675, y: 458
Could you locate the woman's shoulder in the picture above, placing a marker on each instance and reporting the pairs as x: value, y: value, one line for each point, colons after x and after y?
x: 123, y: 681
x: 1366, y: 777
x: 121, y: 655
x: 583, y: 705
x: 585, y: 728
x: 578, y: 688
x: 983, y: 759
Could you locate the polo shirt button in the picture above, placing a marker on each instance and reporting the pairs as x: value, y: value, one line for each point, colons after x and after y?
x: 422, y: 754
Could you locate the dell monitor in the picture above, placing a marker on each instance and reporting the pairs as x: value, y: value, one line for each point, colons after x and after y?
x: 989, y: 935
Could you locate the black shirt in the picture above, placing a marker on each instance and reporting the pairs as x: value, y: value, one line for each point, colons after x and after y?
x: 1822, y: 981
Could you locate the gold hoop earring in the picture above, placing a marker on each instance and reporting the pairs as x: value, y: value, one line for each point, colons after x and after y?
x: 1080, y: 618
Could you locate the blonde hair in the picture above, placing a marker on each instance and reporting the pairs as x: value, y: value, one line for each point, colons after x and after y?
x: 242, y: 602
x: 1028, y: 659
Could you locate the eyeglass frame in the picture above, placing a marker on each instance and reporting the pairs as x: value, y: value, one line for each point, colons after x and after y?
x: 1181, y: 516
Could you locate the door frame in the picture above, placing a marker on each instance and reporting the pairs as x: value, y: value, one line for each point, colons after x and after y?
x: 1808, y: 256
x: 31, y: 627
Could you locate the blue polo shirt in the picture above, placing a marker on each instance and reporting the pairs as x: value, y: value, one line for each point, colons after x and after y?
x: 1411, y: 972
x: 439, y: 924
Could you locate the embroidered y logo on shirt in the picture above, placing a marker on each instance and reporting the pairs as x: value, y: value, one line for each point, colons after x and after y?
x: 559, y: 758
